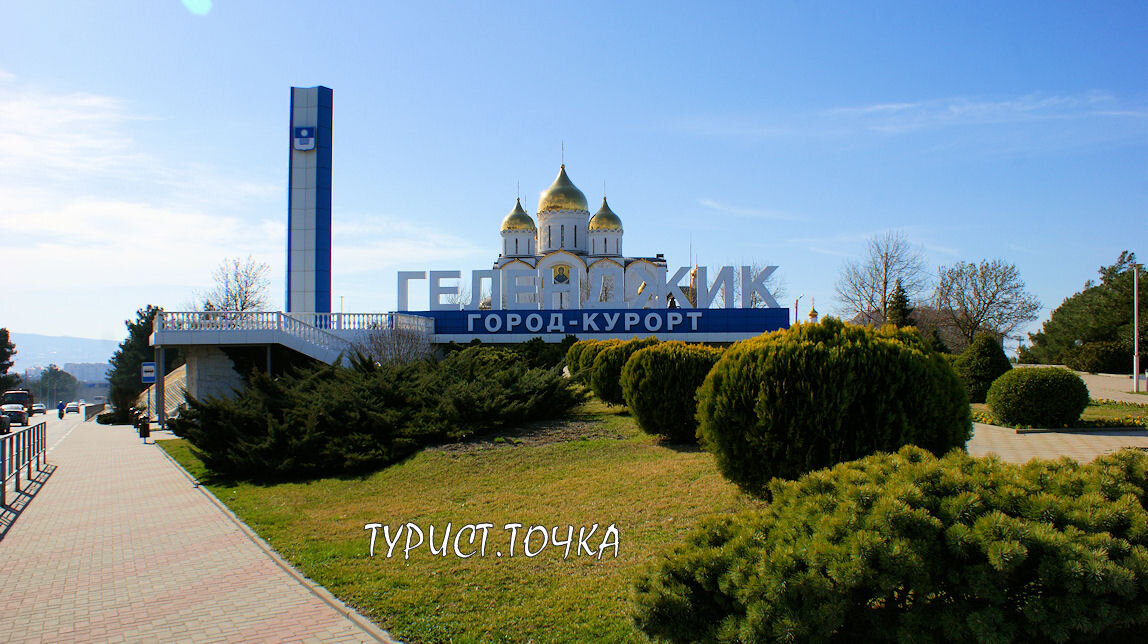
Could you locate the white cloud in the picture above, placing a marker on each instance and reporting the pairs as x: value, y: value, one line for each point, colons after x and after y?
x: 758, y: 213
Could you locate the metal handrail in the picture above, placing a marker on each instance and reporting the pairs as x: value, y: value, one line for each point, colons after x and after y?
x: 19, y: 449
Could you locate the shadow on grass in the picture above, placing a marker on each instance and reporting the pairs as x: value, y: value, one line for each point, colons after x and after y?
x: 18, y: 501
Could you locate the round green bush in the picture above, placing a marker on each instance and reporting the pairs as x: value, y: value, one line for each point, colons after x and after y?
x: 908, y: 547
x: 660, y: 384
x: 1038, y: 396
x: 572, y: 355
x: 813, y: 395
x: 982, y: 363
x: 589, y: 353
x: 1099, y: 357
x: 606, y: 374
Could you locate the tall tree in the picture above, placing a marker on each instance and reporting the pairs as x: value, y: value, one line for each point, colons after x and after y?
x: 7, y: 350
x: 987, y: 297
x: 1099, y: 313
x: 899, y: 313
x: 124, y: 375
x: 54, y: 385
x: 240, y: 285
x: 865, y: 289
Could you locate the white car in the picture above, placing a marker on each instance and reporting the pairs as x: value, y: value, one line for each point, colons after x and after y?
x: 72, y: 407
x: 39, y: 408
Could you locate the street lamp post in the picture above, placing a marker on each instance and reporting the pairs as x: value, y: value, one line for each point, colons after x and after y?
x: 796, y: 304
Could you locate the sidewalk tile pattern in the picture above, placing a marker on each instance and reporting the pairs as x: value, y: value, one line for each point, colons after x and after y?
x: 118, y: 545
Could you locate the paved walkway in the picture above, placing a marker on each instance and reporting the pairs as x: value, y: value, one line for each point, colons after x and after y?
x: 118, y: 545
x: 1083, y: 446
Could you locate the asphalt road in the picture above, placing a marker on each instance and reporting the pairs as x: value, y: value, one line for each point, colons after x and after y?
x: 57, y: 428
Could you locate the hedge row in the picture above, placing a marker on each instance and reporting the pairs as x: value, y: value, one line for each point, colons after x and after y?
x: 334, y: 420
x: 908, y: 547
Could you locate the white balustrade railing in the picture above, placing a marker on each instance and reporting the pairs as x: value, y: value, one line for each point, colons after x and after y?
x: 319, y: 329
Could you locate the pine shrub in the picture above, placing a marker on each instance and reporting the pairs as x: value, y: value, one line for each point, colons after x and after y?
x: 606, y: 374
x: 660, y: 385
x: 335, y: 420
x: 814, y: 395
x: 1039, y: 397
x: 909, y: 547
x: 1099, y: 357
x: 982, y: 363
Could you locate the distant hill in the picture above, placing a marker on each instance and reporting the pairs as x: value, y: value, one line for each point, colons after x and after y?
x: 34, y: 350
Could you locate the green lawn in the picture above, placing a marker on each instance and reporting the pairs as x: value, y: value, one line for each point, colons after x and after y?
x: 596, y: 467
x: 1099, y: 414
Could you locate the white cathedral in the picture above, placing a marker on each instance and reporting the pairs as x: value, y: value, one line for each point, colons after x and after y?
x: 578, y: 248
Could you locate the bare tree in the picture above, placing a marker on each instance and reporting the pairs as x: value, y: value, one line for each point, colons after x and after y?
x: 240, y: 285
x: 985, y: 297
x: 866, y: 289
x: 399, y: 344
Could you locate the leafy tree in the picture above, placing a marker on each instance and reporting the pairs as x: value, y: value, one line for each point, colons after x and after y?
x: 54, y: 384
x: 124, y: 375
x: 7, y: 350
x: 899, y: 313
x: 1099, y: 313
x: 982, y: 363
x: 987, y: 297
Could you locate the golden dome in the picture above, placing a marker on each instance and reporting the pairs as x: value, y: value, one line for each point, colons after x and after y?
x: 562, y: 195
x: 605, y: 219
x: 518, y: 219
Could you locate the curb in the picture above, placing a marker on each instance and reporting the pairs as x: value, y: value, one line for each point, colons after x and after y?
x: 315, y: 589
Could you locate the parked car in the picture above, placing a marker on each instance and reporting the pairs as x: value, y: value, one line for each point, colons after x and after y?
x: 16, y: 413
x: 72, y: 407
x: 39, y: 408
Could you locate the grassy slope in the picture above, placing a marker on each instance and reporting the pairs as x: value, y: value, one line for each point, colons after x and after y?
x: 654, y: 493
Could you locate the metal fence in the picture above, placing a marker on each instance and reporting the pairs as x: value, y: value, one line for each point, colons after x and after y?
x: 19, y: 450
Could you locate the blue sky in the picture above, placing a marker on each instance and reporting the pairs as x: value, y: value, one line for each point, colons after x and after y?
x: 142, y: 143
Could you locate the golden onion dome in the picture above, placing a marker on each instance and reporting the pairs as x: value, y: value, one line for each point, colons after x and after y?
x: 605, y: 219
x: 518, y: 219
x: 562, y: 195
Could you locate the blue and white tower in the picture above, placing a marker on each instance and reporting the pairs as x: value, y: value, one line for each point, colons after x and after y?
x: 309, y: 202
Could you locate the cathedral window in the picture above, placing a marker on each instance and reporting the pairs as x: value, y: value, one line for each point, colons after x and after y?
x: 516, y: 247
x: 562, y: 236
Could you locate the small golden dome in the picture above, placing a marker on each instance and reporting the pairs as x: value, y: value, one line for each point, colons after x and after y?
x: 562, y: 195
x: 518, y: 219
x: 605, y: 219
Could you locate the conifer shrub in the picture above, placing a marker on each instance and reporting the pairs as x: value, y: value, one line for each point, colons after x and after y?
x: 1038, y: 396
x: 660, y: 385
x: 333, y: 420
x: 586, y: 358
x: 572, y: 355
x: 1099, y: 357
x: 909, y: 547
x: 606, y: 373
x: 814, y: 395
x: 982, y: 363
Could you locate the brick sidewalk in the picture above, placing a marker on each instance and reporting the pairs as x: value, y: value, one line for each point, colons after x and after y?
x: 118, y: 545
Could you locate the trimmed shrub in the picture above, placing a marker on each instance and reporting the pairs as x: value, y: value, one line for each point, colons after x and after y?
x: 1039, y: 397
x: 335, y: 420
x: 908, y: 547
x: 660, y: 385
x: 814, y: 395
x: 586, y: 358
x: 982, y: 363
x: 1100, y: 357
x: 572, y: 355
x: 606, y: 374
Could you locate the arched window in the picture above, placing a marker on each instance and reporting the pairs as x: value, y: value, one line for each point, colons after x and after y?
x: 515, y: 246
